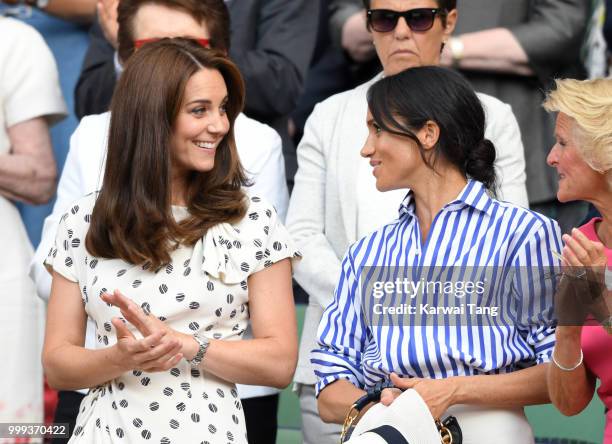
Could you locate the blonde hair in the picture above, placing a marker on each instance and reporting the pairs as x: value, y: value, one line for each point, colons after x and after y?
x: 589, y: 103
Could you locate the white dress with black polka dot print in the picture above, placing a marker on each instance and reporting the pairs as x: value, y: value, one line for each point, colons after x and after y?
x: 204, y: 289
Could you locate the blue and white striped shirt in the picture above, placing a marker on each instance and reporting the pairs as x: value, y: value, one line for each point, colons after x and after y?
x: 473, y: 230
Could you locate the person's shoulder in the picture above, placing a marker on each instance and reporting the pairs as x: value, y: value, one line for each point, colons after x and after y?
x: 526, y: 217
x: 259, y: 219
x: 364, y: 246
x: 19, y: 41
x: 252, y: 131
x: 78, y: 213
x: 95, y: 123
x: 258, y: 209
x: 347, y: 98
x: 588, y: 229
x: 24, y: 40
x: 89, y: 142
x: 492, y: 104
x: 239, y: 248
x: 13, y: 30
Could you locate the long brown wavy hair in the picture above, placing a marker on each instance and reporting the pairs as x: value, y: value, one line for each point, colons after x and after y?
x: 132, y: 218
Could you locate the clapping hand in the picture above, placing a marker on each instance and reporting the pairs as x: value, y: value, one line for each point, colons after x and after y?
x: 580, y: 251
x: 585, y: 262
x: 160, y: 348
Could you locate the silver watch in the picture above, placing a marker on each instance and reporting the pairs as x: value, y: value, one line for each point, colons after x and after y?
x: 203, y: 342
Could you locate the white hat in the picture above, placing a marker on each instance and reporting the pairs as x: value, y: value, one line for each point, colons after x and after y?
x: 406, y: 421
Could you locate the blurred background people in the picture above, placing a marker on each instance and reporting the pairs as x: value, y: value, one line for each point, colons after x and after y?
x: 513, y: 50
x: 510, y: 50
x: 348, y: 31
x: 328, y: 74
x: 64, y: 28
x: 272, y: 44
x: 582, y: 159
x: 82, y: 11
x: 607, y: 29
x: 335, y: 202
x: 31, y: 101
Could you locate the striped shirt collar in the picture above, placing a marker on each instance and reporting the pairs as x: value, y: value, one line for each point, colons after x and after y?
x: 474, y: 194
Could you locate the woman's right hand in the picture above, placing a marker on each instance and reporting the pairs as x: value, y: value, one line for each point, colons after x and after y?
x: 157, y: 352
x: 438, y: 394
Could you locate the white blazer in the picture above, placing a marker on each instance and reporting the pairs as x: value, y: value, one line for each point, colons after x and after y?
x: 323, y: 208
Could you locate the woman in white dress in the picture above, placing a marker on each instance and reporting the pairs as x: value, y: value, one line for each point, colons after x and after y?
x: 30, y: 102
x: 170, y: 259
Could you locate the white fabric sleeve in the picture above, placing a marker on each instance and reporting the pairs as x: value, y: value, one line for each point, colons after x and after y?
x: 268, y: 174
x: 319, y: 268
x: 503, y: 130
x: 30, y: 83
x: 70, y: 188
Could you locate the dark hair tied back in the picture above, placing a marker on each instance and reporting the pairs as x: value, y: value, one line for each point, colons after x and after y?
x: 479, y: 163
x: 402, y: 104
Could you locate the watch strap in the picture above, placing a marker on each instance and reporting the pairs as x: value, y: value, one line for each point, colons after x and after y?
x: 203, y: 343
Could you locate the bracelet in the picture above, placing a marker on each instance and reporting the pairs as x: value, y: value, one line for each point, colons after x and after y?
x: 567, y: 369
x: 580, y: 275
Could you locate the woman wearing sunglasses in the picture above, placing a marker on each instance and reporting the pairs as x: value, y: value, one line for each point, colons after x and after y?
x: 335, y: 201
x: 482, y: 365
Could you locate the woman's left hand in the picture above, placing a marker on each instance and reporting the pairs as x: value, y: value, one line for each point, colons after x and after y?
x: 145, y: 322
x: 580, y: 251
x: 587, y: 261
x: 438, y: 394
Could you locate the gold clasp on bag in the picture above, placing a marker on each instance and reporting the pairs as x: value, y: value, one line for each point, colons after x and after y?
x: 445, y: 435
x: 351, y: 416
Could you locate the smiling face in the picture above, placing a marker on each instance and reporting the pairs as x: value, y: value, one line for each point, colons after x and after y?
x: 396, y: 160
x: 158, y: 21
x: 201, y: 124
x: 403, y: 48
x: 577, y: 180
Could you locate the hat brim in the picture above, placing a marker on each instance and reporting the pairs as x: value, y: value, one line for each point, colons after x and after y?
x: 408, y: 414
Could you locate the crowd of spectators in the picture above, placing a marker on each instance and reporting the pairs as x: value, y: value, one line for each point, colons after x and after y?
x: 306, y: 66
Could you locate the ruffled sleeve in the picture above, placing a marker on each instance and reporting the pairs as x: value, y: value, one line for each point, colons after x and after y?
x: 232, y: 252
x: 67, y: 255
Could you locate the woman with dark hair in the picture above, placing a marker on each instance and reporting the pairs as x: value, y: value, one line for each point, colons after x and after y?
x: 334, y: 202
x: 170, y: 258
x: 464, y: 352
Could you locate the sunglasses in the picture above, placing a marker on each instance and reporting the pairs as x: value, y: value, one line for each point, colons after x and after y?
x: 139, y: 43
x: 418, y: 20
